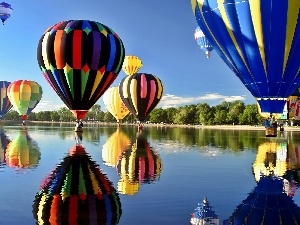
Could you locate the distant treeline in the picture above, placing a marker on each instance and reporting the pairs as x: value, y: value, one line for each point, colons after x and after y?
x: 225, y: 113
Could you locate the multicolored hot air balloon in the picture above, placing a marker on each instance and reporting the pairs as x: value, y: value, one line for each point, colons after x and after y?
x: 80, y: 59
x: 114, y: 103
x: 77, y: 193
x: 5, y: 104
x: 259, y: 41
x: 22, y: 152
x: 138, y: 164
x: 140, y: 93
x: 24, y: 95
x: 5, y: 11
x: 132, y: 64
x: 113, y: 147
x: 203, y: 42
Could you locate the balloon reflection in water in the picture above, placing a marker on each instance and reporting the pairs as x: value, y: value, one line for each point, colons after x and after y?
x: 204, y: 213
x: 138, y: 164
x: 270, y: 159
x: 281, y: 159
x: 113, y: 148
x: 266, y: 204
x: 22, y: 152
x: 77, y: 193
x: 4, y: 141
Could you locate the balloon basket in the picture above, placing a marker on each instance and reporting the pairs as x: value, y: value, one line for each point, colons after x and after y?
x: 78, y: 129
x: 271, y: 132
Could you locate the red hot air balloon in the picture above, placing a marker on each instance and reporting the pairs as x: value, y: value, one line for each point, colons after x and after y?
x: 80, y: 59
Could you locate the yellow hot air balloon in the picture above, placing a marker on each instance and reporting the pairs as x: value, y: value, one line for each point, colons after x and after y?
x: 113, y: 148
x: 131, y: 64
x: 114, y: 103
x: 270, y: 159
x: 127, y: 187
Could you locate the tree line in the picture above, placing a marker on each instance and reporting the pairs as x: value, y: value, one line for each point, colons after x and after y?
x: 201, y: 114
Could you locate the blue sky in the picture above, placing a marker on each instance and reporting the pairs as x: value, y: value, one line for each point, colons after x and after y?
x: 161, y: 33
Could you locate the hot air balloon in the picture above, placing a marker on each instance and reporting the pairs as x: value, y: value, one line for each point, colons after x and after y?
x: 24, y: 95
x: 138, y: 164
x: 22, y: 152
x: 266, y: 204
x: 203, y: 42
x: 132, y: 64
x: 114, y: 103
x: 140, y: 93
x: 80, y: 59
x: 77, y: 193
x: 259, y: 41
x: 5, y: 104
x: 113, y: 147
x: 5, y: 11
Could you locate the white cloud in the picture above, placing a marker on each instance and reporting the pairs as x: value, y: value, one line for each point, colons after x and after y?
x: 169, y: 100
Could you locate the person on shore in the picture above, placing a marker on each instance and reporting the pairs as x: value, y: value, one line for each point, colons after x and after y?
x: 267, y: 123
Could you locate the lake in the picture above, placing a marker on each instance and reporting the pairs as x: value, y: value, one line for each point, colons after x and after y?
x: 157, y: 176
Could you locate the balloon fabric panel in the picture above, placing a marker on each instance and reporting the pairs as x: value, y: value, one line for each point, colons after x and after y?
x: 80, y: 59
x: 261, y: 47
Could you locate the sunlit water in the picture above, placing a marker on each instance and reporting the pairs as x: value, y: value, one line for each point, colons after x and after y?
x: 159, y: 183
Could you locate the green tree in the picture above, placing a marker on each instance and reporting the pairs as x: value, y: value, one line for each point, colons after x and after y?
x: 65, y: 114
x: 205, y: 114
x: 108, y: 117
x: 236, y: 109
x: 12, y: 115
x: 54, y: 116
x: 171, y: 112
x: 250, y: 115
x: 158, y: 115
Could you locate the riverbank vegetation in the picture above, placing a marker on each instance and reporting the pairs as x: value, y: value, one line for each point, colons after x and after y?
x: 226, y: 113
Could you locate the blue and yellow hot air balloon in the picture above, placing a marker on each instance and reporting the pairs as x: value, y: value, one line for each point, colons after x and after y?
x: 5, y: 104
x: 259, y: 41
x: 202, y: 41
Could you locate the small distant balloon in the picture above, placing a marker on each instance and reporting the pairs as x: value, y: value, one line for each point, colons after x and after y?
x: 202, y: 41
x: 5, y: 11
x: 24, y: 95
x: 132, y: 64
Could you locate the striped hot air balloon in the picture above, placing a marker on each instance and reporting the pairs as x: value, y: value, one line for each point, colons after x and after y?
x: 80, y: 59
x: 259, y: 41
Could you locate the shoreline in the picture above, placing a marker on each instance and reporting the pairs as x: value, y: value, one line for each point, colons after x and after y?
x: 220, y: 127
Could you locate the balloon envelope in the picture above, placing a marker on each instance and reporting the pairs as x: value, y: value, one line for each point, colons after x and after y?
x: 202, y: 41
x: 5, y: 11
x: 131, y: 64
x: 140, y: 93
x: 24, y: 95
x: 80, y: 59
x: 260, y: 47
x: 114, y: 103
x: 77, y: 193
x: 5, y: 104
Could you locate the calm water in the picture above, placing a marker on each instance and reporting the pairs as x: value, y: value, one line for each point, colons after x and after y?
x: 160, y: 175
